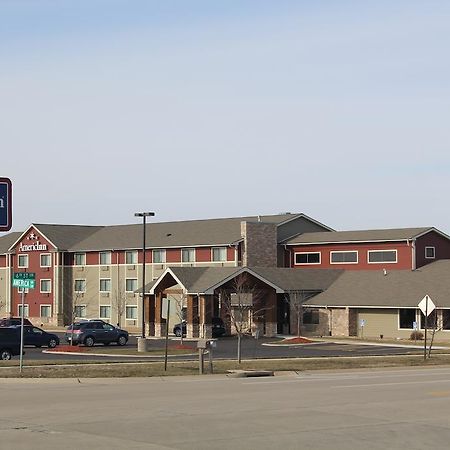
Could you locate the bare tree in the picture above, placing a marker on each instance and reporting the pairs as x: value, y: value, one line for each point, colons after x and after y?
x: 180, y: 300
x: 295, y: 300
x: 120, y: 302
x: 243, y: 305
x: 436, y: 324
x: 76, y: 302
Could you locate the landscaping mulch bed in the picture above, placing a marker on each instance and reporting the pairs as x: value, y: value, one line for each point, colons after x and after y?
x: 296, y: 340
x: 68, y: 348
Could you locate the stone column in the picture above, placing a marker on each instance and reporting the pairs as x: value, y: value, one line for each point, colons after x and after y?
x: 150, y: 315
x: 160, y: 325
x: 192, y: 316
x: 271, y: 313
x: 206, y: 307
x: 224, y: 313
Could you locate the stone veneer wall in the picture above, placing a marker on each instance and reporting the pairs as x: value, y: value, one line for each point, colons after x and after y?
x: 340, y: 322
x: 260, y: 244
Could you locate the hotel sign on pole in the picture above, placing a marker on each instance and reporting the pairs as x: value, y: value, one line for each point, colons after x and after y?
x: 5, y: 204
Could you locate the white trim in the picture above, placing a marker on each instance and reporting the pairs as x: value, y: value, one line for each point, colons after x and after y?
x: 100, y: 284
x: 108, y: 252
x: 217, y: 260
x: 74, y: 285
x: 104, y: 306
x: 23, y: 255
x: 181, y: 255
x: 49, y: 305
x: 137, y: 312
x: 26, y: 307
x: 162, y: 251
x: 307, y: 253
x: 74, y: 259
x: 159, y: 279
x: 40, y: 259
x: 135, y: 252
x: 434, y: 252
x: 381, y: 251
x: 344, y: 251
x: 26, y: 232
x: 398, y: 319
x: 85, y: 311
x: 131, y: 278
x: 50, y: 285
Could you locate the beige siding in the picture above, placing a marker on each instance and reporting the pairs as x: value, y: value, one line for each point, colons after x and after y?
x: 381, y: 322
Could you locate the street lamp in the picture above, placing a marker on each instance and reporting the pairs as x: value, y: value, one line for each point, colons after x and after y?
x: 144, y: 216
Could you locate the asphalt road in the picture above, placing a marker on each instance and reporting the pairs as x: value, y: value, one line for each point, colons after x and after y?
x: 251, y: 348
x: 366, y: 409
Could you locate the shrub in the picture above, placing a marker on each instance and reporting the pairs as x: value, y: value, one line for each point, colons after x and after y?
x: 416, y: 336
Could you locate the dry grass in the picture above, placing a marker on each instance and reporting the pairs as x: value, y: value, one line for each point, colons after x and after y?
x: 152, y: 369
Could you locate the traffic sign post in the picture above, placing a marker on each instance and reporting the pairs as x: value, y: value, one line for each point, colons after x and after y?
x: 427, y: 306
x: 5, y: 204
x: 23, y: 280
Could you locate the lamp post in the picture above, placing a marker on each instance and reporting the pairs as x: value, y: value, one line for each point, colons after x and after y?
x: 144, y: 216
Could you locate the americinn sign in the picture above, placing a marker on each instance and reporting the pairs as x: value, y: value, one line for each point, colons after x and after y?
x: 33, y: 246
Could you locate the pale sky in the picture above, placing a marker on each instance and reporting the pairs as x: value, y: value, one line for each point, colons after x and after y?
x: 202, y: 109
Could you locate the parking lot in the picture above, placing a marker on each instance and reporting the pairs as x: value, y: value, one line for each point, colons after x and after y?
x: 226, y: 348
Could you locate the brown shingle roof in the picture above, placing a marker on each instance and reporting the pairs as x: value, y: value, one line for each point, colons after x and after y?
x: 394, y: 234
x: 399, y: 288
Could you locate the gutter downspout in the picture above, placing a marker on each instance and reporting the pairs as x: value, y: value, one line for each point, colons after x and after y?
x: 413, y: 255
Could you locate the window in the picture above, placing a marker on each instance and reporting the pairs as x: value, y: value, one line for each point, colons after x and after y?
x: 23, y: 261
x: 105, y: 284
x: 131, y: 257
x: 347, y: 257
x: 80, y: 311
x: 188, y: 255
x: 130, y: 284
x: 446, y: 319
x: 80, y: 286
x: 105, y: 258
x: 430, y: 252
x: 20, y: 290
x: 46, y: 286
x: 311, y: 317
x: 307, y: 258
x: 131, y: 312
x: 219, y: 254
x: 46, y: 260
x: 25, y: 310
x: 46, y: 311
x: 382, y: 256
x: 79, y: 259
x: 406, y: 318
x: 105, y: 312
x: 431, y: 320
x: 159, y: 256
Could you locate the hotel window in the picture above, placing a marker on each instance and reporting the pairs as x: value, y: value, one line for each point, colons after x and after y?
x: 79, y: 259
x: 80, y: 311
x: 46, y: 260
x: 219, y: 254
x: 431, y: 320
x: 46, y: 286
x: 311, y: 317
x: 130, y: 284
x: 307, y: 258
x: 188, y: 254
x: 131, y: 312
x: 430, y: 252
x: 406, y: 318
x: 105, y: 284
x: 80, y: 286
x: 23, y: 261
x: 46, y: 311
x: 20, y: 290
x: 25, y: 310
x: 105, y: 258
x: 446, y: 319
x: 131, y: 257
x: 159, y: 256
x: 347, y: 257
x: 382, y: 256
x: 105, y: 312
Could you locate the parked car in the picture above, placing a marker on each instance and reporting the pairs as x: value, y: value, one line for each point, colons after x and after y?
x: 9, y: 342
x: 37, y: 337
x: 11, y: 321
x: 218, y: 328
x: 91, y: 332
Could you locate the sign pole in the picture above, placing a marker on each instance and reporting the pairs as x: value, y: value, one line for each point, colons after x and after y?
x: 426, y: 325
x: 21, y: 330
x: 167, y: 335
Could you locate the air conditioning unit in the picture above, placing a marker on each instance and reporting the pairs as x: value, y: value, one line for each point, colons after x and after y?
x: 133, y: 267
x: 105, y: 294
x: 106, y: 268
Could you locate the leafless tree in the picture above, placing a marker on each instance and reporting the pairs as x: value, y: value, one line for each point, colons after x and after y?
x: 2, y: 304
x: 435, y: 324
x: 120, y: 302
x: 243, y: 305
x: 295, y: 300
x: 180, y: 300
x: 76, y: 302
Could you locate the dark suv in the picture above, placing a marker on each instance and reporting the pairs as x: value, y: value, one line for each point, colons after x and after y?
x: 95, y: 331
x: 9, y: 342
x: 218, y: 328
x: 11, y: 321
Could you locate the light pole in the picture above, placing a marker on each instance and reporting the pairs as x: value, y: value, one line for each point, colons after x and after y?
x: 144, y: 216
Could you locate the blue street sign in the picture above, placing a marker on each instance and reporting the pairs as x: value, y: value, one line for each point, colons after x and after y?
x: 5, y: 204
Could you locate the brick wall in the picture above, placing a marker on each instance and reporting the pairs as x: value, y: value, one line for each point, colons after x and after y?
x: 260, y: 244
